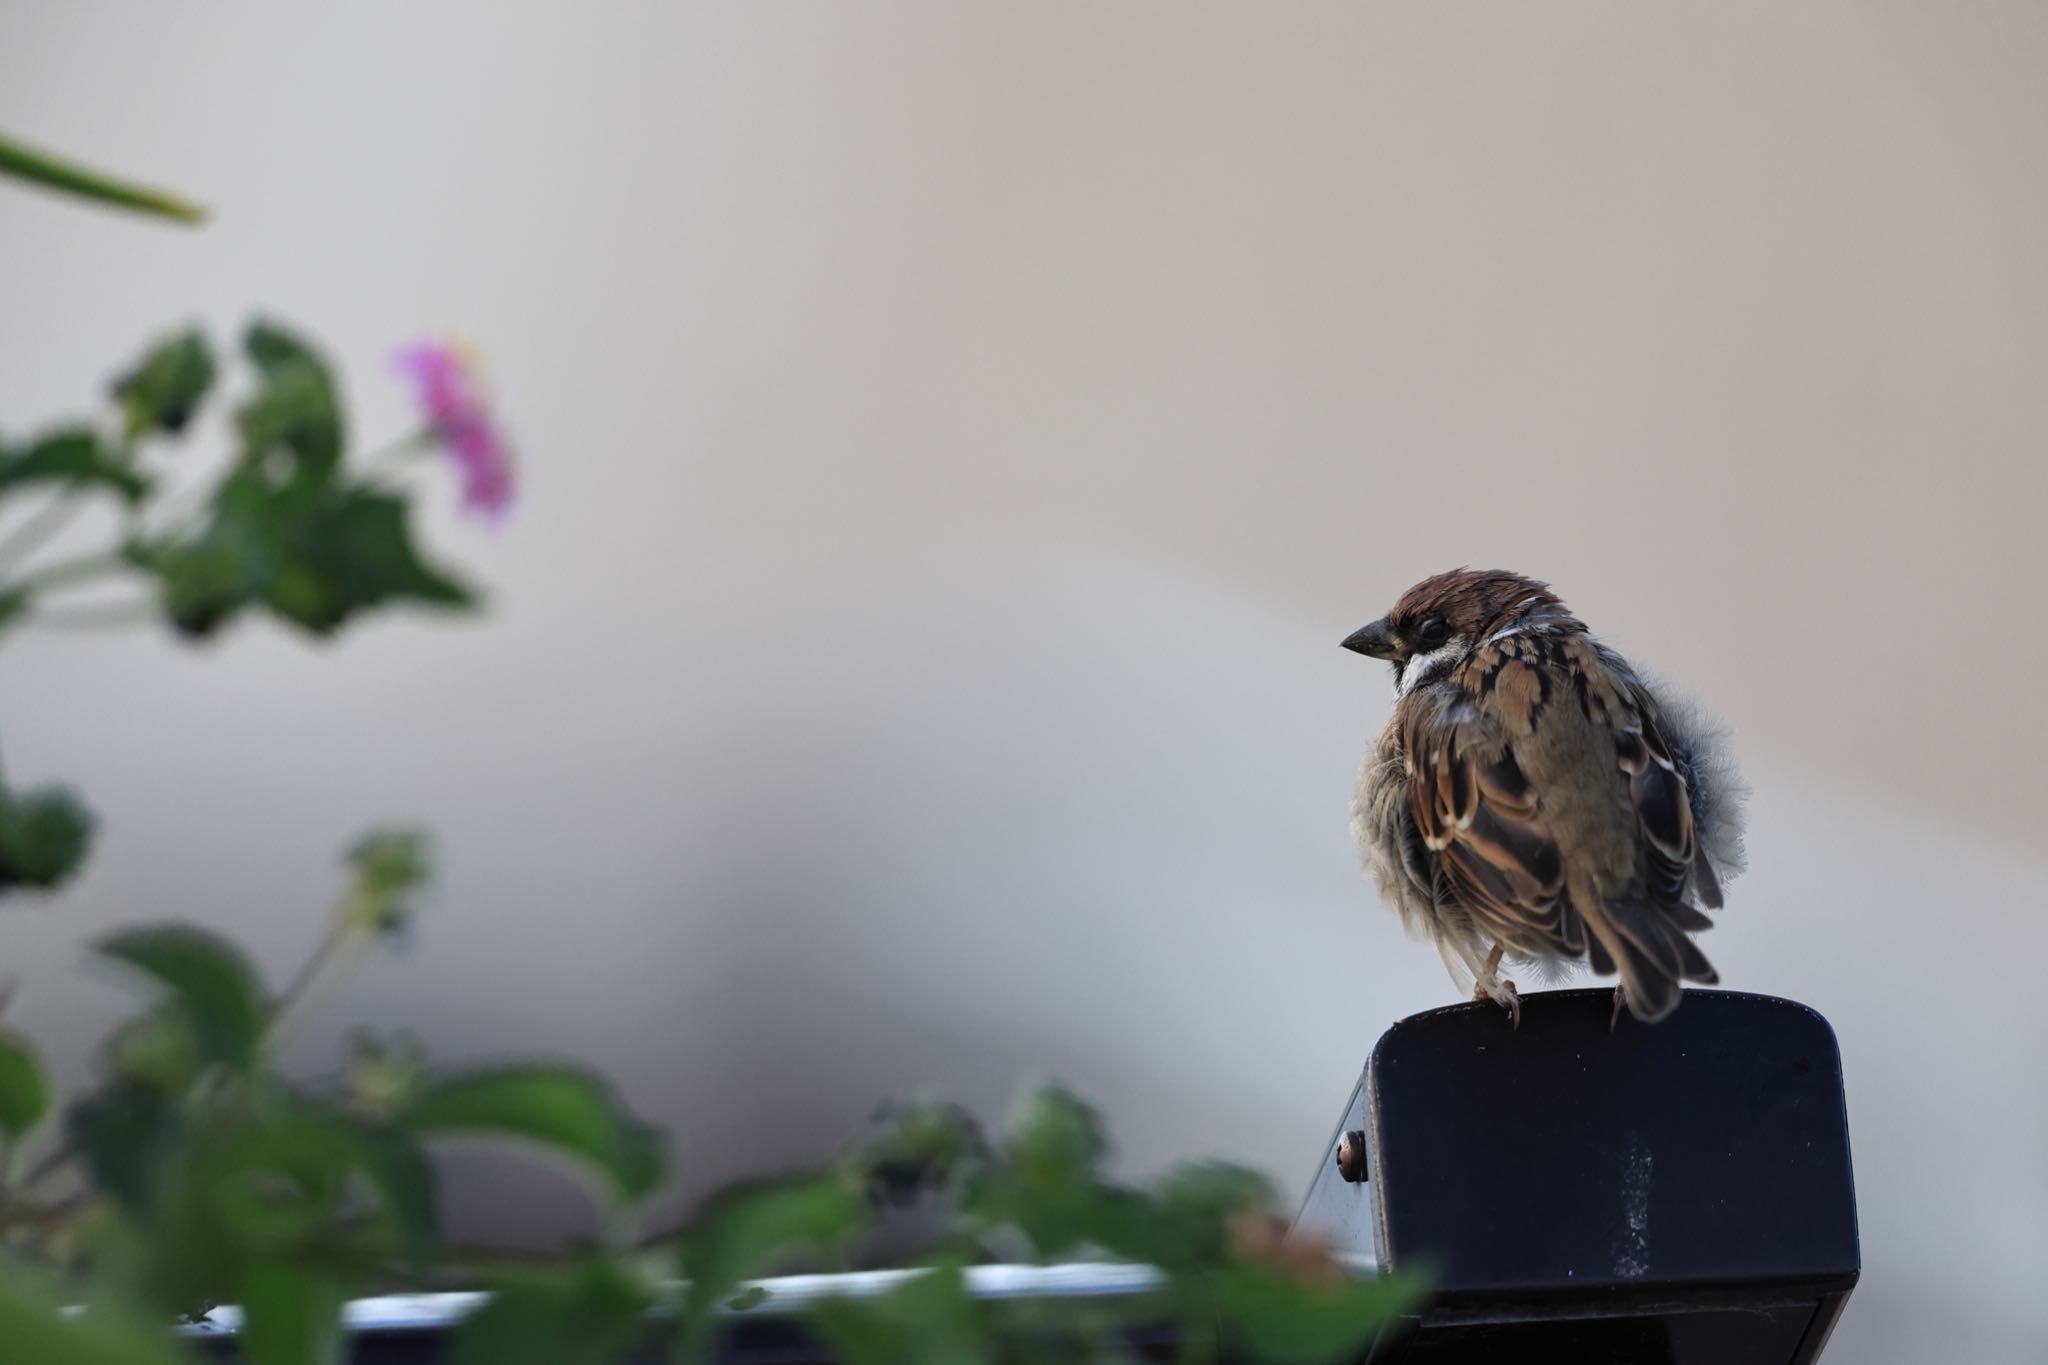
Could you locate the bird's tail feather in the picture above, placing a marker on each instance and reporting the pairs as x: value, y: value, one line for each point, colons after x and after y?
x: 1648, y: 945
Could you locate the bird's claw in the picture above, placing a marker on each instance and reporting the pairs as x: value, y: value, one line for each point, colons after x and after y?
x: 1501, y: 993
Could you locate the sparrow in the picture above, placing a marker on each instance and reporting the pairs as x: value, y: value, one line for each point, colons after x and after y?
x: 1535, y: 797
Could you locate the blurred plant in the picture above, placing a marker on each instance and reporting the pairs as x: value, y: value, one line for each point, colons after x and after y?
x: 286, y: 526
x: 65, y: 176
x: 194, y: 1173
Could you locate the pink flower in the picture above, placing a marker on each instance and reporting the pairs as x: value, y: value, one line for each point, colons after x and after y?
x: 457, y: 407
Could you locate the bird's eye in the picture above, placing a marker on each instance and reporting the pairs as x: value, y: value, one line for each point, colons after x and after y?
x: 1431, y: 633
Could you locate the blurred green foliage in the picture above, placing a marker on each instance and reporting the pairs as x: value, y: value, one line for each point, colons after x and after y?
x: 200, y: 1175
x: 192, y: 1173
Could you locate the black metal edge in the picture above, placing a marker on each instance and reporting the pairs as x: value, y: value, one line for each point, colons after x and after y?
x: 1691, y: 992
x: 1825, y: 1300
x: 1486, y: 1306
x: 1825, y: 1315
x: 1377, y: 1137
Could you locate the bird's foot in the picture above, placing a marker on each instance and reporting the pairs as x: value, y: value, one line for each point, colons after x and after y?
x: 1620, y: 1004
x: 1501, y: 992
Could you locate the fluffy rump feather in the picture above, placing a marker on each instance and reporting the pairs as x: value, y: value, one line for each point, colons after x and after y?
x: 1717, y: 791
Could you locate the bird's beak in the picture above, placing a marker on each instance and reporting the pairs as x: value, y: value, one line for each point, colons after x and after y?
x: 1375, y: 641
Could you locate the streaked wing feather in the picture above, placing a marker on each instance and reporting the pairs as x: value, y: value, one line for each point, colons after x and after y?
x: 1663, y: 814
x: 1474, y: 807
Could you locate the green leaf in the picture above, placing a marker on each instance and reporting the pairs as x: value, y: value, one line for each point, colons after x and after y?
x: 124, y: 1132
x: 274, y: 1186
x: 156, y: 1049
x: 391, y: 862
x: 227, y: 1183
x: 209, y: 979
x: 1057, y: 1138
x: 295, y: 410
x: 352, y: 551
x: 564, y: 1110
x: 389, y: 866
x: 73, y: 456
x: 36, y: 1330
x: 202, y: 587
x: 275, y: 349
x: 1281, y: 1319
x: 240, y: 1186
x: 404, y: 1181
x: 919, y: 1148
x: 1048, y: 1186
x: 68, y: 177
x: 746, y: 1231
x: 44, y: 836
x: 24, y: 1093
x: 206, y: 581
x: 292, y: 1315
x: 315, y: 553
x: 165, y: 387
x: 1186, y: 1220
x: 589, y: 1315
x: 928, y: 1318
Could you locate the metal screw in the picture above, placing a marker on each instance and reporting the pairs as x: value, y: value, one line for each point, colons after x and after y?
x: 1351, y: 1157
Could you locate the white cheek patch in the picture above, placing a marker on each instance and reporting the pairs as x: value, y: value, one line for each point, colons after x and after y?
x: 1422, y: 667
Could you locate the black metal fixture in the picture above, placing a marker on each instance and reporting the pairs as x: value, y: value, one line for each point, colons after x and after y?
x: 1673, y: 1193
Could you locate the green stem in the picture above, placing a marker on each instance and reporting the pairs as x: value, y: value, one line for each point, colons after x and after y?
x: 177, y: 514
x: 394, y: 457
x: 47, y: 520
x: 68, y: 177
x: 53, y: 1161
x: 337, y: 948
x: 47, y: 1218
x: 67, y: 573
x: 101, y: 616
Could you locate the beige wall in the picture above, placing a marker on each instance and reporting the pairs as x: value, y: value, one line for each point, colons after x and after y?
x: 957, y: 437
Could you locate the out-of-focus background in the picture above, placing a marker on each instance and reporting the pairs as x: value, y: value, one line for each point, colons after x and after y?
x: 956, y: 439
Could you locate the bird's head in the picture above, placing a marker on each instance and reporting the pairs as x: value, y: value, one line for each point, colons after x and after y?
x: 1441, y: 620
